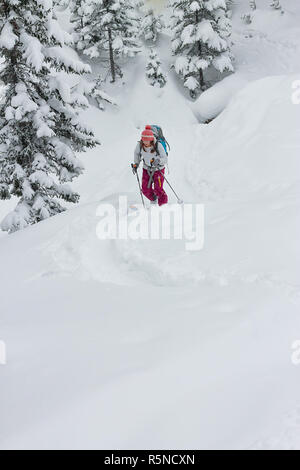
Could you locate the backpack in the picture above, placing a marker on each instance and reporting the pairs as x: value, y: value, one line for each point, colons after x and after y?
x: 158, y: 134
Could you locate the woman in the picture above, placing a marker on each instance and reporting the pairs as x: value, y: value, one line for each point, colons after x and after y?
x: 154, y: 160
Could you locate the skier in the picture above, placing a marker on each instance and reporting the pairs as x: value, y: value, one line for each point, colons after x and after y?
x: 154, y: 160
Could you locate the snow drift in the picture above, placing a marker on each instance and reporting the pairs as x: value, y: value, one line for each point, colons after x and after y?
x: 104, y: 350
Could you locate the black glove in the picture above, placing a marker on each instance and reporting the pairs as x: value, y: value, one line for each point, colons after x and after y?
x: 155, y: 162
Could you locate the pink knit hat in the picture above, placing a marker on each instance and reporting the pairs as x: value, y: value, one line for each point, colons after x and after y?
x: 147, y: 135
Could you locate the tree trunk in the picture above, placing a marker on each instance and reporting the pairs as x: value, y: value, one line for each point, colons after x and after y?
x: 201, y: 79
x: 111, y: 57
x: 201, y: 76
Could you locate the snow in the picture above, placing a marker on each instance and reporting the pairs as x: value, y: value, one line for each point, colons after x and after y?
x: 206, y: 34
x: 142, y: 344
x: 46, y: 4
x: 181, y: 64
x: 64, y: 89
x: 33, y: 51
x: 60, y: 55
x: 40, y: 177
x: 223, y: 63
x: 55, y: 31
x: 7, y: 37
x: 21, y: 102
x: 214, y: 100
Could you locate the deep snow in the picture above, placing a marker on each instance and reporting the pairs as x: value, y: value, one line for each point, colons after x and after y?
x: 143, y: 344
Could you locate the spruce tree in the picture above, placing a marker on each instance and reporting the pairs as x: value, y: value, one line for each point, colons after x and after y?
x: 61, y: 3
x: 40, y: 129
x: 78, y: 14
x: 109, y: 31
x: 154, y: 73
x: 137, y: 3
x: 151, y: 25
x: 200, y: 40
x: 248, y: 17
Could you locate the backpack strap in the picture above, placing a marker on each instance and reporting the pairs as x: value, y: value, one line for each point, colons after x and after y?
x: 156, y: 147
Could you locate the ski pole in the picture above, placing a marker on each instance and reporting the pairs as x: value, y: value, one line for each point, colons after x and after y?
x: 180, y: 201
x: 134, y: 171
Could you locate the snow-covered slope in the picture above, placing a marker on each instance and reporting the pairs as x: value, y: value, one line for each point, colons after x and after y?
x: 269, y: 45
x: 115, y: 344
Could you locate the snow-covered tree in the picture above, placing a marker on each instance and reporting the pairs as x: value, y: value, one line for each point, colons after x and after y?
x: 277, y: 5
x: 78, y: 11
x: 151, y: 25
x: 137, y: 3
x: 200, y: 40
x: 108, y: 30
x: 247, y: 18
x: 40, y: 129
x: 61, y: 3
x: 154, y: 72
x: 229, y: 7
x: 93, y: 90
